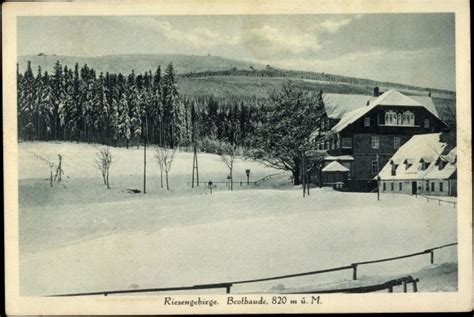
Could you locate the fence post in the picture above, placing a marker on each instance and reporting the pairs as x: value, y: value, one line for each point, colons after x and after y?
x: 354, y: 271
x: 432, y: 256
x: 415, y: 287
x: 390, y: 289
x: 404, y: 286
x: 227, y: 288
x: 439, y: 202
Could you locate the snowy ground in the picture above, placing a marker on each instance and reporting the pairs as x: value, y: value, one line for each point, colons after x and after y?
x: 78, y: 236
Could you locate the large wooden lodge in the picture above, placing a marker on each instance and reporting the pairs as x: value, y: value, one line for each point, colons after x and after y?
x: 360, y: 134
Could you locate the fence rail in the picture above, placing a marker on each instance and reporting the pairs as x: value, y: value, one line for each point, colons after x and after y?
x: 237, y: 182
x: 228, y: 285
x: 454, y: 203
x: 389, y: 285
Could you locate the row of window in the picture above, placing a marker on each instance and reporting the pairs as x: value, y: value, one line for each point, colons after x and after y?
x: 409, y: 162
x: 376, y: 143
x: 346, y: 143
x: 427, y: 186
x: 393, y: 118
x: 406, y: 118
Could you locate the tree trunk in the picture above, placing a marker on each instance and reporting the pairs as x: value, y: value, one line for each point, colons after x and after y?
x: 161, y: 176
x: 296, y: 176
x: 167, y: 183
x: 108, y: 184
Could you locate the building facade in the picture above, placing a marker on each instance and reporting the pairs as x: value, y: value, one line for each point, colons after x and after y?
x: 364, y: 139
x: 424, y: 165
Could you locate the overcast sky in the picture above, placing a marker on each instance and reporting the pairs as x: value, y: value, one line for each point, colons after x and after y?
x: 416, y: 49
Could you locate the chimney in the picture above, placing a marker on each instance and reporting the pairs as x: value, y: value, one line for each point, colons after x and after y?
x: 376, y: 91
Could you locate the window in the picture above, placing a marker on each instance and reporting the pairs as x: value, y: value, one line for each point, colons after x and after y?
x: 440, y: 186
x: 424, y: 164
x: 391, y: 187
x: 433, y: 187
x: 427, y: 186
x: 367, y: 122
x: 400, y: 186
x: 375, y: 142
x: 396, y: 142
x: 427, y: 123
x: 346, y: 143
x: 384, y: 186
x: 394, y: 169
x: 389, y: 116
x: 375, y: 167
x: 338, y: 143
x: 409, y: 118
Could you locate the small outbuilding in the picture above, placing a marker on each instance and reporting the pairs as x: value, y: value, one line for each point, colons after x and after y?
x: 334, y: 173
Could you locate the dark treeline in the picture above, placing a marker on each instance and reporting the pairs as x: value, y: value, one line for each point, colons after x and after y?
x: 121, y: 110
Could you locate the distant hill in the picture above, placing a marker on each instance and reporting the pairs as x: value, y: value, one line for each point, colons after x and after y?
x: 139, y: 63
x: 230, y: 79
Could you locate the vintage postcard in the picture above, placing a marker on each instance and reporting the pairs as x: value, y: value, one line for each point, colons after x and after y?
x: 237, y: 157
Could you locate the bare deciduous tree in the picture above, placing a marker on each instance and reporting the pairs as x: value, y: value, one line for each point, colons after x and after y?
x: 59, y: 170
x: 165, y: 160
x: 103, y: 162
x: 228, y: 152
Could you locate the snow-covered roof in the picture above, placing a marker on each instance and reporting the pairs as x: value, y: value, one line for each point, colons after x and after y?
x: 336, y: 105
x: 339, y: 158
x: 388, y: 98
x: 335, y: 166
x: 427, y: 102
x: 450, y: 157
x: 427, y: 159
x: 426, y: 147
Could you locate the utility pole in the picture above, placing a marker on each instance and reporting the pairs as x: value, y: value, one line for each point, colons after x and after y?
x: 195, y: 168
x: 303, y: 172
x: 378, y: 178
x: 378, y: 187
x: 144, y: 155
x: 193, y: 140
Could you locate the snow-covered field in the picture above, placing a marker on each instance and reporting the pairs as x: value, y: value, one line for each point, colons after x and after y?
x: 79, y: 237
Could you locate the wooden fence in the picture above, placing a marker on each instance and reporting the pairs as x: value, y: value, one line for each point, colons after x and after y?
x: 240, y: 183
x: 454, y: 203
x: 228, y: 285
x: 389, y: 285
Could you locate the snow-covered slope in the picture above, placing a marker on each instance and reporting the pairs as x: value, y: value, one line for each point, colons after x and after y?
x: 116, y: 240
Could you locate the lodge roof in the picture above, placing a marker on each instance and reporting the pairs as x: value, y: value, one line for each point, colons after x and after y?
x: 337, y: 105
x: 388, y: 98
x: 424, y: 147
